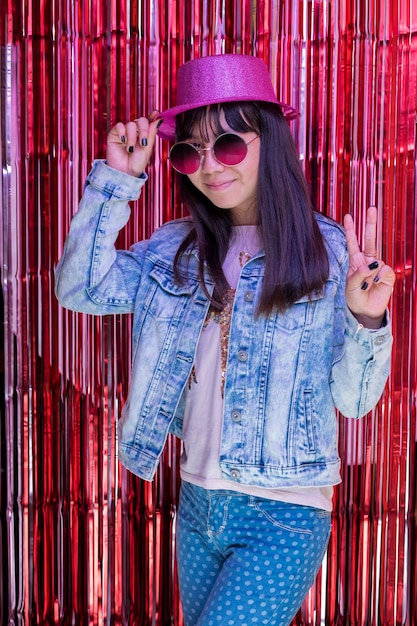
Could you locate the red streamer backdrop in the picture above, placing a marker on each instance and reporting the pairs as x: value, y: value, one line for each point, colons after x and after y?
x: 81, y: 539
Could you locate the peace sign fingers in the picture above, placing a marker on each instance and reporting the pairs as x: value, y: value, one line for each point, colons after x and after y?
x: 369, y: 281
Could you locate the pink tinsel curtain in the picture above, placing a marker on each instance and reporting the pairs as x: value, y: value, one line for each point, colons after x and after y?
x: 82, y: 540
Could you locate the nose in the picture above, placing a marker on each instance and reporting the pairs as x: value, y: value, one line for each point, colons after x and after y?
x: 209, y: 163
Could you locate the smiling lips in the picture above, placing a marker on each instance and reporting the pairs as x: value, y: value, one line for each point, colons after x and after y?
x: 219, y: 186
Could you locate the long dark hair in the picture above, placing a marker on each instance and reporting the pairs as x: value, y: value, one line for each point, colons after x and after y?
x: 296, y: 262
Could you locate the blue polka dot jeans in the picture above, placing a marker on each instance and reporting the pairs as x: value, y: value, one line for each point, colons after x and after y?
x: 245, y: 560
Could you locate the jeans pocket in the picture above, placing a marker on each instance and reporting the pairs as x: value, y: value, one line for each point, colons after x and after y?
x: 218, y: 513
x: 292, y: 518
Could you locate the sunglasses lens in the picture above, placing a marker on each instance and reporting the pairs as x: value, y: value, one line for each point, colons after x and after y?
x: 184, y: 158
x: 230, y: 149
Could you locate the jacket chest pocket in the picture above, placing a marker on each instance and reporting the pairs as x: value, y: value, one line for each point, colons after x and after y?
x: 300, y: 315
x: 165, y: 299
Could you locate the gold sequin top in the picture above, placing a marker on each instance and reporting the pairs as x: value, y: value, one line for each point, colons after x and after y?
x: 224, y: 317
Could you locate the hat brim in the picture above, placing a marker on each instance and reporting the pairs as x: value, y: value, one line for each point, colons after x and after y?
x: 167, y: 128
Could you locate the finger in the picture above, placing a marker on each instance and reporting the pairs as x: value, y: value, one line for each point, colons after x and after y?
x: 369, y: 242
x: 118, y: 133
x: 153, y: 128
x: 147, y: 131
x: 385, y: 276
x: 351, y: 239
x: 142, y: 129
x: 131, y: 136
x: 365, y: 275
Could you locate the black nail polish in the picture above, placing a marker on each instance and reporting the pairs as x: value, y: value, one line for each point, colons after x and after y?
x: 377, y: 279
x: 123, y: 139
x: 144, y: 142
x: 373, y: 265
x: 364, y: 286
x: 159, y: 123
x: 131, y: 148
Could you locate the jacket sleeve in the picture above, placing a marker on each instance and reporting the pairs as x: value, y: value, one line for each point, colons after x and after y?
x: 360, y: 372
x: 92, y: 276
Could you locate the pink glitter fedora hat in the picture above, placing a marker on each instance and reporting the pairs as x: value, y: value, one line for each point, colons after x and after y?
x: 221, y: 78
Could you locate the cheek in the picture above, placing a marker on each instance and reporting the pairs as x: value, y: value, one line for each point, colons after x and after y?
x: 252, y: 166
x: 253, y: 175
x: 194, y: 179
x: 255, y: 159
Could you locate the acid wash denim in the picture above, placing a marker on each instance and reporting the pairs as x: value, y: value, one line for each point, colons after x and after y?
x: 285, y: 374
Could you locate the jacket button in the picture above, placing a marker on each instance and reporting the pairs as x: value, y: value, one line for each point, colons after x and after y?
x: 249, y: 296
x: 235, y: 474
x: 236, y: 416
x: 380, y: 340
x: 242, y: 355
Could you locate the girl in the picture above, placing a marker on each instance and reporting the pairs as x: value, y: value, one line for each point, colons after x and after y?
x: 253, y: 319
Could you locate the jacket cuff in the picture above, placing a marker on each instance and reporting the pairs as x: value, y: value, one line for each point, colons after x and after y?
x: 113, y: 182
x: 376, y: 339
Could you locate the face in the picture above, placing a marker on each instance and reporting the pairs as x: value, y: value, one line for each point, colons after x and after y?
x: 231, y: 187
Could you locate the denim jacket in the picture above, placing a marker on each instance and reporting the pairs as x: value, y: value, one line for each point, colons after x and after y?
x: 285, y: 373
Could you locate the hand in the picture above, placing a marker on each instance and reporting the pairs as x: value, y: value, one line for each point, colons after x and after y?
x: 369, y: 281
x: 130, y: 146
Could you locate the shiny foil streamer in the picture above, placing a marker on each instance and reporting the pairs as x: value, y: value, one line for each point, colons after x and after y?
x: 81, y: 539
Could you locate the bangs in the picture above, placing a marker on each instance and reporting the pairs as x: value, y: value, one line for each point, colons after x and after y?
x: 242, y: 117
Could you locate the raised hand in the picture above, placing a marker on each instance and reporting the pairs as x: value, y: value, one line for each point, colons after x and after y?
x: 130, y: 145
x: 369, y: 281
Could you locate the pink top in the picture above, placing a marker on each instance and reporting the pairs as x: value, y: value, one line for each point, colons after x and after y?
x: 204, y: 402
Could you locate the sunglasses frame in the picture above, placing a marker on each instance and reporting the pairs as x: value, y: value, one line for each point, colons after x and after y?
x: 200, y: 151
